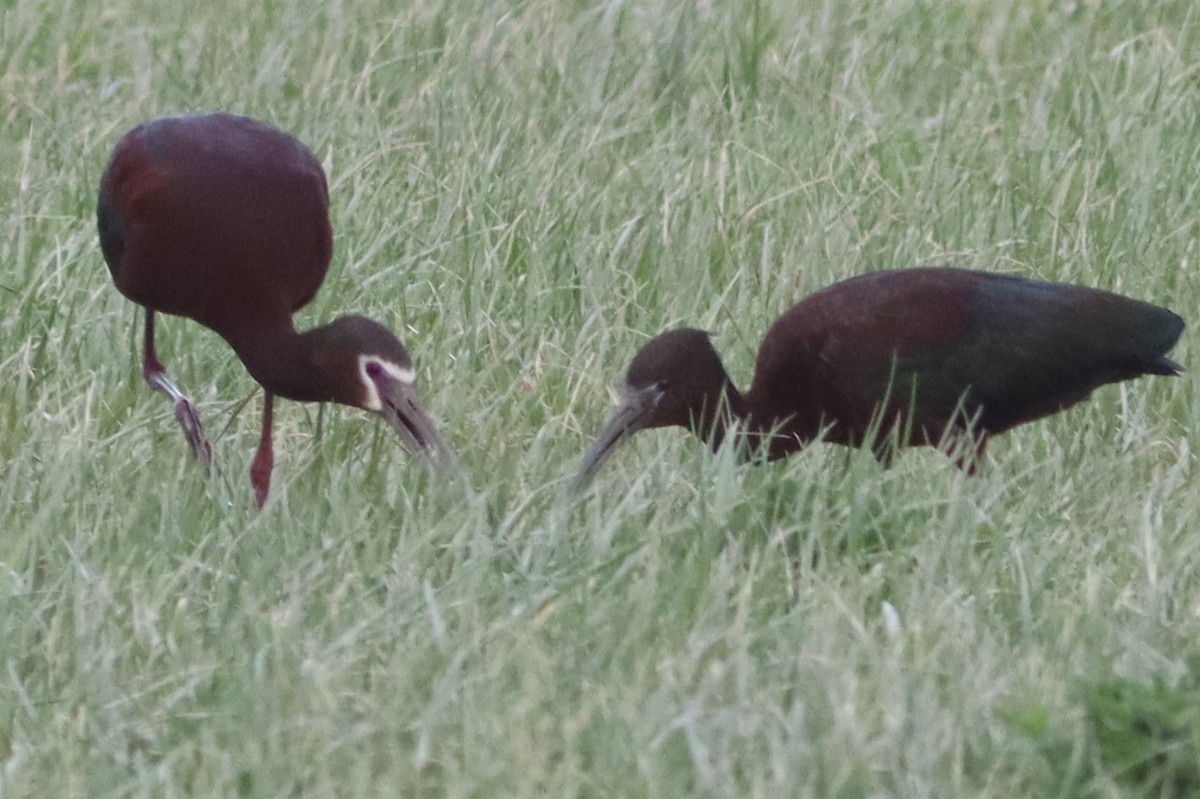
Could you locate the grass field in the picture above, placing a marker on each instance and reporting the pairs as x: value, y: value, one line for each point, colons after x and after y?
x: 525, y: 191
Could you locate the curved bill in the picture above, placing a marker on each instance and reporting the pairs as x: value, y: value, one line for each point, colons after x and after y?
x: 634, y: 412
x: 416, y: 431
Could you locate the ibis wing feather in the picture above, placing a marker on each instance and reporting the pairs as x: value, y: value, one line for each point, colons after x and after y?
x: 1035, y: 348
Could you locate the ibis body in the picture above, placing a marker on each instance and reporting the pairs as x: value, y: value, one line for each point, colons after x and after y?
x: 907, y: 357
x: 225, y: 220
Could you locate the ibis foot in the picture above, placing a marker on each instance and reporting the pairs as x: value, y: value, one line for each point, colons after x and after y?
x: 193, y: 431
x: 187, y: 416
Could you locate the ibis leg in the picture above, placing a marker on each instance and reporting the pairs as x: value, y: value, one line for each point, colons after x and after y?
x: 968, y: 452
x: 185, y: 412
x: 264, y: 459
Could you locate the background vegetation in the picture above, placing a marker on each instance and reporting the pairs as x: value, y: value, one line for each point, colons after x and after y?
x: 526, y: 190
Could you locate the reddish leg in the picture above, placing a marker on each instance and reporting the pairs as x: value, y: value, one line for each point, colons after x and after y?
x: 185, y: 412
x: 264, y: 459
x: 968, y: 452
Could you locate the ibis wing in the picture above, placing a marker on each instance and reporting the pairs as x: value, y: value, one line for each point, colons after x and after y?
x: 1032, y: 349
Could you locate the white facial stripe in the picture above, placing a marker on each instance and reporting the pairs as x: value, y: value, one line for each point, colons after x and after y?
x: 398, y: 373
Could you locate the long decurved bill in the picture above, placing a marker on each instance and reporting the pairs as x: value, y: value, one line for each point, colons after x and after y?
x: 637, y: 405
x: 416, y: 431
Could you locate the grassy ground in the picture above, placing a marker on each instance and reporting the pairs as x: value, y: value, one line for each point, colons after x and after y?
x: 526, y: 190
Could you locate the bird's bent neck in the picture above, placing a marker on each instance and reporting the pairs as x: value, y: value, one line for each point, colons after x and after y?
x: 774, y: 430
x: 284, y: 362
x: 712, y: 424
x: 761, y: 429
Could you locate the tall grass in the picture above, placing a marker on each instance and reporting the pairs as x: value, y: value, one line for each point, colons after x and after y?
x: 526, y: 191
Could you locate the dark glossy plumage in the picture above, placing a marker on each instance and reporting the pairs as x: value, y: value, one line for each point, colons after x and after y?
x: 940, y: 351
x: 225, y: 220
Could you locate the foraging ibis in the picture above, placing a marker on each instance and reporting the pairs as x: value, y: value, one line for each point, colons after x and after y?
x: 914, y: 356
x: 225, y: 220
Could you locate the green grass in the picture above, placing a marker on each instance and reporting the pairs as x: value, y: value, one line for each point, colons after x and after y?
x: 526, y: 191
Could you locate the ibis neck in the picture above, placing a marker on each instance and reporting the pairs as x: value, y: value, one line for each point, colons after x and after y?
x: 778, y: 426
x: 283, y: 361
x: 731, y: 407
